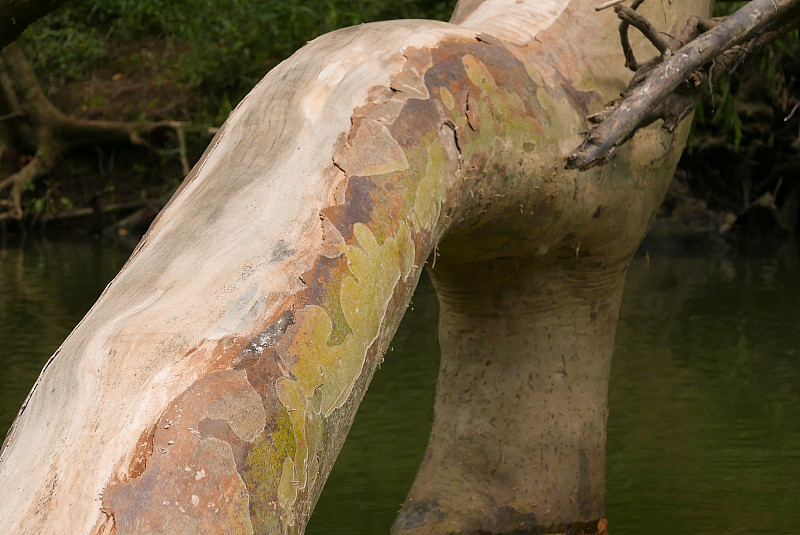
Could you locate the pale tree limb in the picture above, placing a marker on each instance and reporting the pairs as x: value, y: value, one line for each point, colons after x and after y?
x: 212, y: 385
x: 669, y: 86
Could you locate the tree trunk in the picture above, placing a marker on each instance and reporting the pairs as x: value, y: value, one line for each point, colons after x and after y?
x: 211, y: 386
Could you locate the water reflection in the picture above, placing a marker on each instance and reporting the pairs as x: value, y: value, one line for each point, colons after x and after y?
x: 704, y: 432
x: 45, y: 289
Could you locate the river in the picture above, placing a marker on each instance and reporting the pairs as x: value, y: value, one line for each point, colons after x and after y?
x: 704, y: 426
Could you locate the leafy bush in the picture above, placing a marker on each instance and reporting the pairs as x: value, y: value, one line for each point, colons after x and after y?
x: 221, y: 47
x: 766, y: 74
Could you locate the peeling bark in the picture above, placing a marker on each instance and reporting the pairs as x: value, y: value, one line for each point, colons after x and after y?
x: 215, y: 379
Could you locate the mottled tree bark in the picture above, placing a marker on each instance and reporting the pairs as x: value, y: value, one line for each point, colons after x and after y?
x: 211, y: 386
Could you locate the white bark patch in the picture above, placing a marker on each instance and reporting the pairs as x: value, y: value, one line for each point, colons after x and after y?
x: 514, y: 21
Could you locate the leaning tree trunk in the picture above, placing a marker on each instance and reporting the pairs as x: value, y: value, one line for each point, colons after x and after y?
x: 211, y: 386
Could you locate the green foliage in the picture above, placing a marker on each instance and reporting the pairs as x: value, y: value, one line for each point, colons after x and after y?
x: 219, y: 48
x: 723, y: 114
x: 722, y: 9
x: 65, y: 51
x: 759, y: 77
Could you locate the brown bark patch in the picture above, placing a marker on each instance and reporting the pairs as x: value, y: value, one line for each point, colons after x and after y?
x: 142, y: 452
x: 190, y: 483
x: 357, y: 208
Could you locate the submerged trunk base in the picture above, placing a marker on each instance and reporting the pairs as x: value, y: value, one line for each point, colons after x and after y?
x: 518, y: 440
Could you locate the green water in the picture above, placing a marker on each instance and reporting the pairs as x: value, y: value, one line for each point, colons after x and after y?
x: 704, y: 432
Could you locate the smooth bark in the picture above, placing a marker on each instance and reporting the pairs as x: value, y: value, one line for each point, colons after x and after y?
x: 211, y: 386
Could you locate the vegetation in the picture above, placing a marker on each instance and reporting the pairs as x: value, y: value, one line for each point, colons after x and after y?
x: 193, y: 60
x: 744, y: 154
x: 159, y: 61
x: 217, y: 49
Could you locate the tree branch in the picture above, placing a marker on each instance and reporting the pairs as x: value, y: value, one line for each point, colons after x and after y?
x: 40, y: 165
x: 43, y: 127
x: 648, y: 96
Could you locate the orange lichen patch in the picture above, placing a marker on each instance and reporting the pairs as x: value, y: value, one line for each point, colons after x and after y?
x: 143, y: 451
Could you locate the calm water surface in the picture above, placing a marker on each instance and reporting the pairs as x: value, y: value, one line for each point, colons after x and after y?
x: 704, y: 432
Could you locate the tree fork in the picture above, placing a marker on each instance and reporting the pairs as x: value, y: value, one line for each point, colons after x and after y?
x: 212, y: 384
x: 655, y: 91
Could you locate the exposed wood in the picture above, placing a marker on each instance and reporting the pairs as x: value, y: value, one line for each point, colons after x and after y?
x: 211, y: 386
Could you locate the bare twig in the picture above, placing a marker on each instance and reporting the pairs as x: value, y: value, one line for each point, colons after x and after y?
x: 627, y: 14
x: 608, y: 4
x: 791, y: 113
x: 630, y: 59
x: 40, y: 165
x: 645, y: 100
x: 12, y: 115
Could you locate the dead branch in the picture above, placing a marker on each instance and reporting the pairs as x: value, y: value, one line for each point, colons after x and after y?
x: 669, y: 86
x: 40, y: 165
x: 43, y: 128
